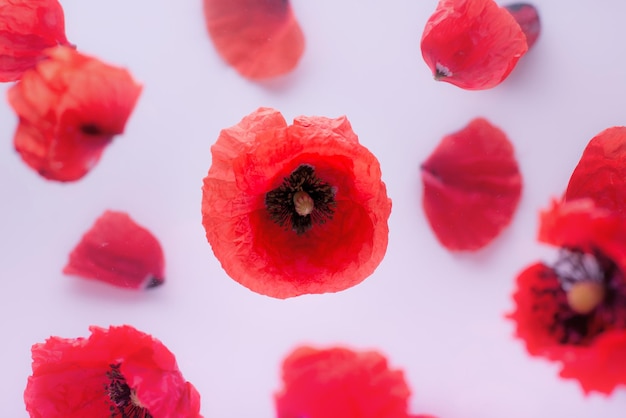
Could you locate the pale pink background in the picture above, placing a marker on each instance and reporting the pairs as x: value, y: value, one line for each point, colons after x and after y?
x: 437, y: 315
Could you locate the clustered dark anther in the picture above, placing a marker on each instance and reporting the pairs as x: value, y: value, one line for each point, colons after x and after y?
x: 302, y: 182
x: 121, y: 397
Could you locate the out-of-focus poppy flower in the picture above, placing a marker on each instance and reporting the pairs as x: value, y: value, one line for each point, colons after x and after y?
x: 472, y: 186
x: 118, y: 251
x: 69, y: 107
x: 27, y: 28
x: 116, y: 372
x: 527, y: 16
x: 601, y: 172
x: 473, y: 44
x: 341, y: 383
x: 574, y: 311
x: 259, y: 38
x: 297, y: 209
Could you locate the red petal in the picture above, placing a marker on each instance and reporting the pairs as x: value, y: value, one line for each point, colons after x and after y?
x: 118, y: 251
x: 601, y: 171
x: 472, y: 186
x: 527, y: 16
x: 341, y: 383
x: 259, y: 38
x: 600, y: 368
x: 580, y: 224
x: 69, y: 376
x: 473, y: 44
x: 27, y: 28
x: 251, y: 159
x: 70, y: 106
x: 537, y: 299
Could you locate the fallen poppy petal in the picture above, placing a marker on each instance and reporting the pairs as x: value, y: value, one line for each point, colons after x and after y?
x: 527, y: 16
x: 118, y: 251
x: 573, y: 311
x: 116, y: 372
x: 259, y: 38
x: 473, y: 44
x: 341, y: 383
x: 290, y: 210
x: 27, y: 28
x: 601, y: 172
x: 70, y: 106
x: 472, y: 186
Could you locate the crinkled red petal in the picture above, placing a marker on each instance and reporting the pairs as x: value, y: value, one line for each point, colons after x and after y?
x: 27, y: 28
x: 473, y: 44
x: 472, y: 186
x: 341, y: 383
x: 70, y: 106
x: 527, y: 16
x: 118, y: 251
x: 69, y: 376
x: 601, y: 171
x: 259, y: 38
x: 251, y: 159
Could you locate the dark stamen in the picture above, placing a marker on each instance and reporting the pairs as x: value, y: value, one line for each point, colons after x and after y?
x: 576, y: 266
x: 301, y: 200
x: 124, y: 401
x: 585, y: 294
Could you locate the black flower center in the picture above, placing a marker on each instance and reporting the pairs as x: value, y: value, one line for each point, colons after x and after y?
x: 301, y: 200
x: 590, y: 296
x: 125, y: 403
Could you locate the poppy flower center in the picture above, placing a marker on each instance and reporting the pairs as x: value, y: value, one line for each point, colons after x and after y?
x: 126, y: 404
x: 582, y: 278
x: 302, y: 200
x: 590, y: 298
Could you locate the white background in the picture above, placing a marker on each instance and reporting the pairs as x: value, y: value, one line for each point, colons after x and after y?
x: 438, y: 316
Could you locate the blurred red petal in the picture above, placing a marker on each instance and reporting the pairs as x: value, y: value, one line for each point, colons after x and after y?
x: 70, y: 106
x: 72, y: 378
x: 601, y: 172
x: 27, y: 28
x: 473, y: 44
x: 118, y: 251
x: 259, y: 38
x: 252, y: 159
x: 341, y: 383
x: 527, y: 16
x: 472, y: 186
x: 601, y: 368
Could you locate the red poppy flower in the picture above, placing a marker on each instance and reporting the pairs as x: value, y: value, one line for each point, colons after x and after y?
x: 27, y: 28
x: 527, y: 16
x: 259, y: 38
x: 574, y: 311
x: 297, y: 209
x: 472, y: 186
x: 473, y: 44
x: 601, y: 171
x: 70, y: 106
x: 341, y: 383
x: 116, y: 372
x: 118, y: 251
